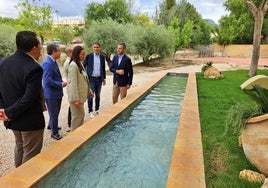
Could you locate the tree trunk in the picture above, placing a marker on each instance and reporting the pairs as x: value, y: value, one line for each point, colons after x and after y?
x: 256, y: 43
x: 258, y: 14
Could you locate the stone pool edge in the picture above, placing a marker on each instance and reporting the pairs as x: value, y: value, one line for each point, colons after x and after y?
x: 187, y: 163
x: 186, y: 169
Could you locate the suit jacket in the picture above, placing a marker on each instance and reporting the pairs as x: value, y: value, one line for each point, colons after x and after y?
x: 125, y: 64
x: 66, y: 65
x: 77, y: 84
x: 20, y: 86
x: 89, y: 65
x: 52, y: 80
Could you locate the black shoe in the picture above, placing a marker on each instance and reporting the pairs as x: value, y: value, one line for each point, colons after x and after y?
x: 48, y: 127
x: 56, y: 136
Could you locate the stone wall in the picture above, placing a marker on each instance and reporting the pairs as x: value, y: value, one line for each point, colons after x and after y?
x: 237, y: 50
x: 215, y: 50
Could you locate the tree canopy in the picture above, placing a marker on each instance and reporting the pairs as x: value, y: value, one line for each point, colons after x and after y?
x: 33, y: 16
x: 116, y: 10
x: 142, y: 41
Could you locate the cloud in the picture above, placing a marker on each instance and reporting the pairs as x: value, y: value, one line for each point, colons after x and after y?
x: 7, y: 9
x: 210, y: 9
x: 148, y: 7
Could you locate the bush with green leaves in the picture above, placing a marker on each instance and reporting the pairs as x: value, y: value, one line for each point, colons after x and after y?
x: 108, y: 33
x: 143, y: 41
x: 155, y: 41
x: 8, y: 40
x: 238, y: 115
x: 259, y: 95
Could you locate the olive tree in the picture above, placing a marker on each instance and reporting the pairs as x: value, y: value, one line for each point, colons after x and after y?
x: 108, y: 33
x: 153, y: 42
x: 7, y: 38
x: 145, y: 42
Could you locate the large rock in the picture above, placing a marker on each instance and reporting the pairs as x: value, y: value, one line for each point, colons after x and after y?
x: 212, y: 72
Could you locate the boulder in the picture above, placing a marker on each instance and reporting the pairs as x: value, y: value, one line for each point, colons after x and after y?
x: 212, y: 72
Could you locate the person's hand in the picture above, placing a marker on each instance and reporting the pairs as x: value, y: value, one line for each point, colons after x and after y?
x: 104, y: 82
x: 91, y: 94
x: 3, y: 115
x: 128, y: 86
x: 64, y: 84
x: 120, y: 71
x: 76, y: 103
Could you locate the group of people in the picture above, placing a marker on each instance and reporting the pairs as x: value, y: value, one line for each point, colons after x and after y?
x: 28, y: 89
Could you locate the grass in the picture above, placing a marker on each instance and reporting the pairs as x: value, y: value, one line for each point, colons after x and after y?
x: 223, y: 157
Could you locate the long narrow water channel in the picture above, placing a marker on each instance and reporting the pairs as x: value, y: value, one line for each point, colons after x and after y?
x: 134, y: 151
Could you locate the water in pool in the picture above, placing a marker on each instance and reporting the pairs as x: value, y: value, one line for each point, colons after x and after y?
x: 134, y: 151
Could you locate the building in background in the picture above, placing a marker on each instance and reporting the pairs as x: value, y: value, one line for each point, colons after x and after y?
x: 69, y: 22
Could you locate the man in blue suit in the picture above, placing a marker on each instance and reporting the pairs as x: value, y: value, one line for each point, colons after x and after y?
x: 53, y: 88
x: 121, y: 66
x: 94, y: 63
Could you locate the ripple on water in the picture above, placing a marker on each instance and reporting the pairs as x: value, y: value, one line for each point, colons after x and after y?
x: 134, y: 151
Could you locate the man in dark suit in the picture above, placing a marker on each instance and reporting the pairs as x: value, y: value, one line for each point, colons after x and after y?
x: 21, y: 106
x: 53, y: 88
x: 121, y: 66
x: 95, y: 66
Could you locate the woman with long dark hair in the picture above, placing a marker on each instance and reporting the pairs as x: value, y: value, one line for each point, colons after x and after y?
x: 77, y: 87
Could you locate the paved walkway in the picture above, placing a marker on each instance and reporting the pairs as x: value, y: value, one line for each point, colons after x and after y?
x: 140, y: 77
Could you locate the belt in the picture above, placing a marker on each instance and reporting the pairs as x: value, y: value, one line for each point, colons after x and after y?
x: 96, y: 76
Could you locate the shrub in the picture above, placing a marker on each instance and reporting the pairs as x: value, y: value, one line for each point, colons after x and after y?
x: 7, y: 40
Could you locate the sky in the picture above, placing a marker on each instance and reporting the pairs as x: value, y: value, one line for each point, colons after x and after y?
x: 209, y: 9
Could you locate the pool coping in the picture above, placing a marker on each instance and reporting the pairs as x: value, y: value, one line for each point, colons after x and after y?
x: 187, y: 163
x: 186, y: 169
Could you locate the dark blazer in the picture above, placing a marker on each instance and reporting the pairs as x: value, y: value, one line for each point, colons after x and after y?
x: 20, y: 88
x: 52, y: 80
x: 125, y: 64
x: 89, y: 65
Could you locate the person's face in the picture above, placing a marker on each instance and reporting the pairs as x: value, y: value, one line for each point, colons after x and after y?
x: 69, y: 53
x: 36, y: 52
x: 120, y: 49
x: 96, y: 49
x: 57, y: 53
x: 82, y: 55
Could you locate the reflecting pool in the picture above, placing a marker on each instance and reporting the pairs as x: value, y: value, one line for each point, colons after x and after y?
x: 134, y: 151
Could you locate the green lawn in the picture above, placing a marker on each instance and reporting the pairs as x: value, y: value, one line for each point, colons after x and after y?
x: 223, y: 157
